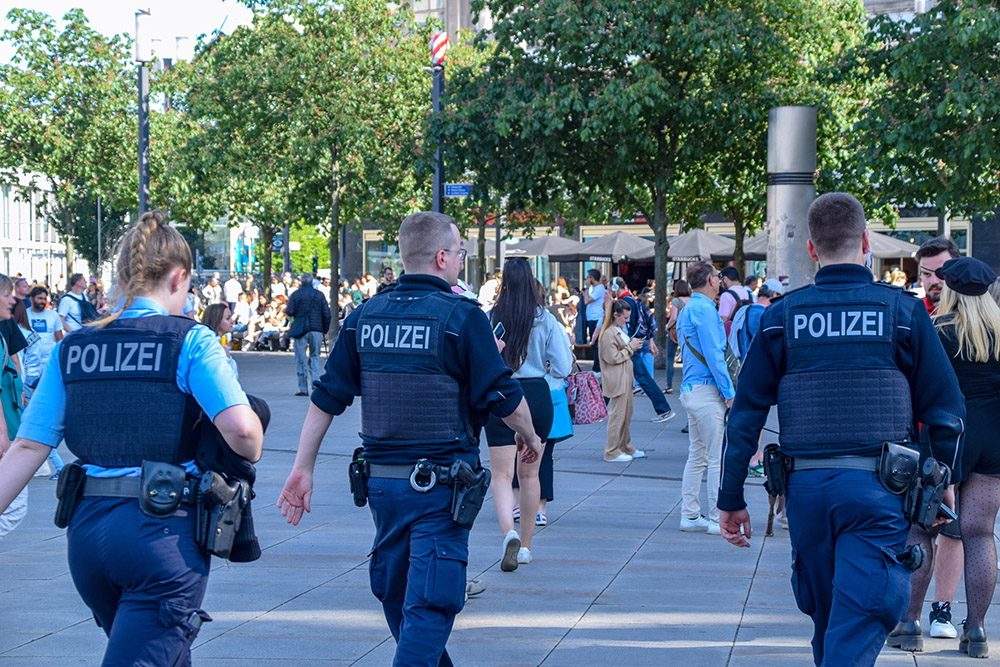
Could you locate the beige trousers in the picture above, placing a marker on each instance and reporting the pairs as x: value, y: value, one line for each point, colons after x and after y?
x: 619, y: 418
x: 706, y: 411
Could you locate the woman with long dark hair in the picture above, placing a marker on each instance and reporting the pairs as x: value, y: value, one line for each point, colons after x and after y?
x: 536, y: 349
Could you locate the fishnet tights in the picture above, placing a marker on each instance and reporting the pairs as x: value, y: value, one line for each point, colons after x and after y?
x: 980, y: 499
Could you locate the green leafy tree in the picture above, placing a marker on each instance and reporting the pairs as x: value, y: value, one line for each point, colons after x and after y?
x: 311, y: 114
x: 816, y: 34
x: 932, y: 138
x: 630, y: 100
x: 67, y: 116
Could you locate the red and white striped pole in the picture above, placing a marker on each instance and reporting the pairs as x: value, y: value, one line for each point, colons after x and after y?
x: 439, y: 47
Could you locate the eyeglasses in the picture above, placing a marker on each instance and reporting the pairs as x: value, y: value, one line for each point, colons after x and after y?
x: 462, y: 252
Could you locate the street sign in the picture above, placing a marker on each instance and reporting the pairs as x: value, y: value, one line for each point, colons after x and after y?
x: 294, y: 246
x: 457, y: 189
x: 278, y: 243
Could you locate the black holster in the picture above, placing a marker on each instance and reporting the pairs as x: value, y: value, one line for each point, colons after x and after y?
x: 468, y: 492
x: 220, y: 507
x: 776, y: 467
x: 69, y: 490
x: 358, y: 476
x: 897, y: 467
x: 922, y: 503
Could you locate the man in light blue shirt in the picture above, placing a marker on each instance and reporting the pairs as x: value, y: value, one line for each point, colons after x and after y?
x: 706, y: 394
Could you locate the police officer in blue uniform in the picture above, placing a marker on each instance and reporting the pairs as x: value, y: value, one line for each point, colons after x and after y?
x: 124, y: 393
x: 425, y: 363
x: 843, y: 360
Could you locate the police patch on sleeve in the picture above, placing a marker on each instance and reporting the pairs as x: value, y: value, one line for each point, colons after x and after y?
x: 399, y: 336
x: 839, y: 323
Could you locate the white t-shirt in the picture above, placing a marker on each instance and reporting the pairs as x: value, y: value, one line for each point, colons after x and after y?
x: 69, y: 308
x: 595, y: 309
x: 277, y: 289
x: 242, y: 314
x: 232, y: 290
x: 45, y: 324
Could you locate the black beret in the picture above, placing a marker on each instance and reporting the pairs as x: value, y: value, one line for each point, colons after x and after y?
x: 967, y: 275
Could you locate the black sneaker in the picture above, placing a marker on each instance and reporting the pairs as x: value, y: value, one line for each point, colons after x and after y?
x: 941, y: 626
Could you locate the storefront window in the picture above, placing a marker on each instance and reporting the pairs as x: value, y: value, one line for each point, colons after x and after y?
x: 379, y: 255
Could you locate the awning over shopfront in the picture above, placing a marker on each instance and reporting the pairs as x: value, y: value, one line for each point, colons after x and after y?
x: 615, y: 247
x: 696, y: 245
x: 547, y: 246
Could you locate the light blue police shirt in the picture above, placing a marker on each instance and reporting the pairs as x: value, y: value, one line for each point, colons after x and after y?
x: 203, y: 371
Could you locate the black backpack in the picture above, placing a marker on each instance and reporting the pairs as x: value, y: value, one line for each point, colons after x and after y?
x: 740, y: 302
x: 87, y: 311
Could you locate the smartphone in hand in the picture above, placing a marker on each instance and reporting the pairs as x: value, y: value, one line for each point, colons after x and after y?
x: 499, y: 331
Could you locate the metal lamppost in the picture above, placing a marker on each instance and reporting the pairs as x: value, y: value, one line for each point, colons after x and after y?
x: 439, y: 47
x: 791, y: 166
x: 143, y: 56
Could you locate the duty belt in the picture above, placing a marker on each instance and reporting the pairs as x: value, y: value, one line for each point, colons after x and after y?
x: 128, y: 487
x: 844, y: 462
x: 423, y: 474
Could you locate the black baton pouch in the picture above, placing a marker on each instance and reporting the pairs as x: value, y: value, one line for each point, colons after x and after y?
x: 161, y: 488
x: 775, y: 471
x: 357, y: 473
x: 69, y: 491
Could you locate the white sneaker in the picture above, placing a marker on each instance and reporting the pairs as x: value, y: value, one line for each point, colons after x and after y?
x: 664, y: 418
x: 523, y: 556
x: 713, y: 528
x: 621, y: 458
x: 941, y: 627
x: 511, y: 545
x: 699, y: 525
x: 638, y: 454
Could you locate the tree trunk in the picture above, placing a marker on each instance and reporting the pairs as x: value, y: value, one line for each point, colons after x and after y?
x: 68, y: 242
x: 267, y: 240
x: 738, y: 257
x: 659, y: 227
x: 481, y: 246
x: 334, y: 243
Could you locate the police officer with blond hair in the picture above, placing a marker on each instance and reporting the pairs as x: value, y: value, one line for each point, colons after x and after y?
x: 844, y: 360
x: 425, y: 363
x: 125, y: 393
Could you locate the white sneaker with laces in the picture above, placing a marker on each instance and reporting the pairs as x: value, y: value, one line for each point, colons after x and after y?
x: 523, y: 556
x: 511, y: 545
x: 638, y: 454
x: 713, y: 528
x: 941, y: 626
x: 699, y: 525
x: 664, y: 418
x: 621, y: 458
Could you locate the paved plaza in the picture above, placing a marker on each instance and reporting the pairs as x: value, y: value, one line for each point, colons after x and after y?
x: 613, y: 582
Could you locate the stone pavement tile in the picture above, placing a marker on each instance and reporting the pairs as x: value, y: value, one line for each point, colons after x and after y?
x: 64, y: 661
x: 269, y: 662
x: 84, y: 639
x: 699, y: 614
x: 637, y: 645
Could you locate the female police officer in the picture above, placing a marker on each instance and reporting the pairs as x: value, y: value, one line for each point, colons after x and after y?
x: 123, y: 393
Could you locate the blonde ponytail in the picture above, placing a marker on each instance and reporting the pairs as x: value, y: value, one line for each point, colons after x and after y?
x: 146, y: 254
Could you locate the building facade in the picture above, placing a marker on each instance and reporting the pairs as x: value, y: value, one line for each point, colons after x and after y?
x: 28, y: 244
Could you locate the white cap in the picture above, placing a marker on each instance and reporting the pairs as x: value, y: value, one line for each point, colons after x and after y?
x: 774, y: 285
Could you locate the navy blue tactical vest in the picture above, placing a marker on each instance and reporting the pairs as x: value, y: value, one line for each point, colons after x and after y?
x: 842, y: 393
x: 122, y: 401
x: 408, y: 396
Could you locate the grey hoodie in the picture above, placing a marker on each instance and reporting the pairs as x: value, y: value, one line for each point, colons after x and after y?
x: 548, y: 342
